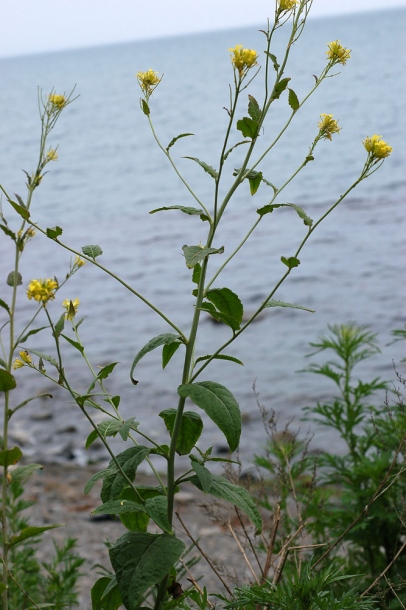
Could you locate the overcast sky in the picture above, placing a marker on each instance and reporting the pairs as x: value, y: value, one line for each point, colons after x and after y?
x: 32, y: 26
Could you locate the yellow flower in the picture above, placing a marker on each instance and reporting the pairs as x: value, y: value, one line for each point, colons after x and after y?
x: 30, y: 233
x: 52, y: 155
x: 337, y: 53
x: 71, y: 308
x: 376, y: 147
x: 148, y: 81
x: 25, y: 359
x: 328, y: 126
x: 58, y: 101
x: 79, y: 262
x: 243, y: 59
x: 42, y: 290
x: 286, y: 5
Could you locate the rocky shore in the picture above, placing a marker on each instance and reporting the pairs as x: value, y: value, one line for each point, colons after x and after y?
x: 57, y: 491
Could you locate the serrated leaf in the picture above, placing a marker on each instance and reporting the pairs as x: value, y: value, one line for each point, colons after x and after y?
x: 54, y: 233
x: 34, y: 331
x: 253, y: 108
x: 207, y: 168
x: 191, y: 427
x: 157, y: 509
x: 227, y: 303
x: 8, y: 232
x: 22, y: 473
x: 30, y: 532
x: 290, y: 262
x: 157, y: 341
x: 145, y: 108
x: 10, y: 456
x: 184, y: 209
x: 113, y: 480
x: 224, y: 318
x: 172, y: 142
x: 293, y: 101
x: 14, y: 279
x: 235, y: 146
x: 222, y: 488
x: 7, y: 381
x: 219, y: 404
x: 219, y: 357
x: 195, y: 254
x: 255, y: 182
x: 93, y: 251
x: 248, y: 127
x: 102, y: 600
x: 141, y: 561
x: 203, y: 474
x: 22, y: 211
x: 168, y: 351
x: 279, y: 88
x: 118, y: 507
x: 273, y: 303
x: 267, y: 209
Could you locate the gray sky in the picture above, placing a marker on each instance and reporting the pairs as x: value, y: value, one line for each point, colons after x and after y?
x: 31, y: 26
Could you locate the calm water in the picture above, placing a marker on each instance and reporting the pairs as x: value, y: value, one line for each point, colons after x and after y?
x: 110, y: 174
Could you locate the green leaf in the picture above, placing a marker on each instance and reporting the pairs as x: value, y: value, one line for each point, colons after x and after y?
x: 219, y: 404
x: 59, y: 326
x: 113, y: 480
x: 14, y: 279
x: 235, y: 146
x: 145, y: 108
x: 220, y: 317
x: 197, y: 272
x: 203, y: 474
x: 195, y: 254
x: 219, y: 357
x: 7, y: 381
x: 45, y: 357
x: 273, y: 303
x: 222, y: 488
x: 5, y: 306
x: 185, y: 210
x: 34, y: 331
x: 93, y: 251
x: 118, y: 507
x: 279, y: 88
x: 8, y: 232
x: 3, y: 364
x: 111, y: 601
x: 227, y: 302
x: 207, y: 168
x: 10, y: 456
x: 268, y: 209
x: 112, y: 427
x: 30, y: 532
x: 54, y: 233
x: 22, y: 473
x: 172, y: 142
x: 191, y: 427
x: 157, y: 509
x: 168, y: 351
x: 138, y: 522
x: 141, y: 561
x: 253, y: 109
x: 293, y: 101
x: 24, y: 213
x: 274, y: 60
x: 248, y: 127
x: 93, y: 479
x: 255, y: 182
x: 165, y: 339
x: 290, y: 262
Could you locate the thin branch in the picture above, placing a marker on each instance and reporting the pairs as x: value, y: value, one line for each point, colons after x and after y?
x: 243, y: 552
x: 388, y: 567
x: 268, y: 559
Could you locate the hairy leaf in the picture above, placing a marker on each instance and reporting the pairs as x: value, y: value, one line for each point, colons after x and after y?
x: 253, y: 108
x: 273, y: 303
x: 165, y: 339
x: 185, y: 210
x: 195, y: 254
x: 190, y: 429
x: 93, y: 251
x: 203, y: 474
x: 168, y: 351
x: 219, y: 404
x: 113, y: 480
x: 207, y: 168
x: 141, y: 561
x: 157, y: 509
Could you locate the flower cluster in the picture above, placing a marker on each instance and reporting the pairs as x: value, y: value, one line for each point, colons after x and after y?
x: 337, y: 53
x: 42, y: 290
x: 57, y: 101
x: 328, y: 126
x: 286, y: 5
x: 148, y: 81
x: 376, y: 147
x: 52, y: 155
x: 71, y: 308
x: 243, y: 59
x: 25, y: 358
